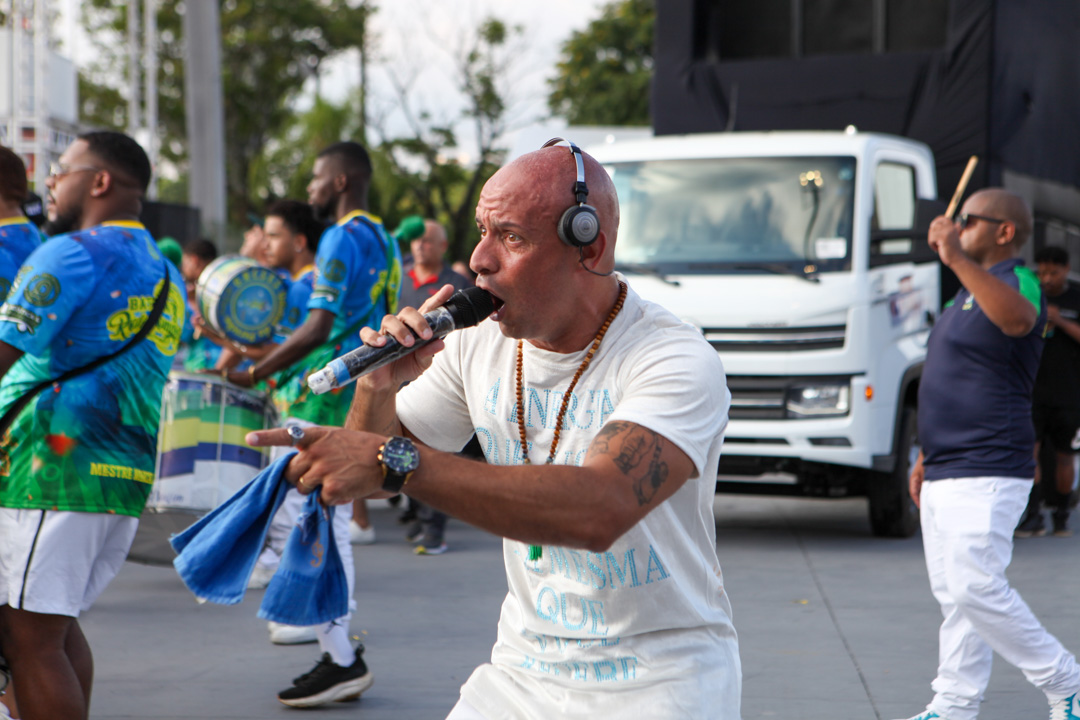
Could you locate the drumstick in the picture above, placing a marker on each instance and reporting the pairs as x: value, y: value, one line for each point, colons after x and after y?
x: 961, y: 186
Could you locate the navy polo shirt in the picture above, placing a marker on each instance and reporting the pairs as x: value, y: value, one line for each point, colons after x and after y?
x: 975, y: 393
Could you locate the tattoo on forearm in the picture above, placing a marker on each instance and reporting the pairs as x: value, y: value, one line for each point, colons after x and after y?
x: 636, y: 452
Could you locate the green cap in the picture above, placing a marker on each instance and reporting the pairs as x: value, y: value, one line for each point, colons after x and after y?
x: 410, y: 228
x: 171, y: 249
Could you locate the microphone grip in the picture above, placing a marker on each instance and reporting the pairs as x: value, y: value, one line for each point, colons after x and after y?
x: 359, y: 362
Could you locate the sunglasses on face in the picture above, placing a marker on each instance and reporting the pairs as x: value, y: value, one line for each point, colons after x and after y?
x: 967, y: 218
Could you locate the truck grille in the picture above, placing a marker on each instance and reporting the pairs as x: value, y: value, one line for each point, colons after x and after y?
x: 757, y: 398
x: 816, y: 337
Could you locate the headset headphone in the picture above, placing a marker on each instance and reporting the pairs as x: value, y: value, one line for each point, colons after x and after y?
x: 579, y: 226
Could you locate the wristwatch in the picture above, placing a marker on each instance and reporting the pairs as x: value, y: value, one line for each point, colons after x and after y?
x: 399, y: 459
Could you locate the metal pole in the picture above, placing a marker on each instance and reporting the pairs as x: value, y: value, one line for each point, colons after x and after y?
x: 42, y: 140
x: 205, y: 114
x: 150, y: 52
x: 134, y: 114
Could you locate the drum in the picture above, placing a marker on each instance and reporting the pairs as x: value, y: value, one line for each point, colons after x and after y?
x: 241, y: 299
x: 202, y: 457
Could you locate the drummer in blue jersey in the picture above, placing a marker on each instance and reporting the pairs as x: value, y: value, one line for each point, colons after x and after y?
x: 358, y: 277
x: 18, y: 236
x: 77, y: 463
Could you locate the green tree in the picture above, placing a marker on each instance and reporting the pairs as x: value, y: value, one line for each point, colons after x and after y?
x: 269, y: 48
x: 604, y: 71
x: 429, y: 179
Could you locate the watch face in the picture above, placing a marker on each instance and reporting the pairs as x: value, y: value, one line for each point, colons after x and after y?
x: 400, y: 455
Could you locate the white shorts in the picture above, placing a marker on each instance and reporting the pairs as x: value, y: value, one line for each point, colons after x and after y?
x: 57, y: 563
x: 464, y: 711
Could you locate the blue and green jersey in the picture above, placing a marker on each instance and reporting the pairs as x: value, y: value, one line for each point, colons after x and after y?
x: 18, y: 238
x: 358, y: 279
x: 89, y: 444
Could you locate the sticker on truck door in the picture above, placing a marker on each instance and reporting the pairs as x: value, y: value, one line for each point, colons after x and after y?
x: 833, y: 248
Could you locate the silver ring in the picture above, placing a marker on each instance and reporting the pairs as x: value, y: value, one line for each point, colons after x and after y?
x: 296, y: 434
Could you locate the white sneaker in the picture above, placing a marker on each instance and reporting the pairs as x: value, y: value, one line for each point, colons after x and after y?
x: 292, y: 634
x: 1066, y: 708
x: 260, y: 577
x: 361, y: 536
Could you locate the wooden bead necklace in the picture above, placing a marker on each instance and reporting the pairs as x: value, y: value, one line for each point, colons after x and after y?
x: 535, y: 551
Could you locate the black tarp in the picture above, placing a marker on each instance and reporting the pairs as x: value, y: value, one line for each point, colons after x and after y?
x: 1003, y: 82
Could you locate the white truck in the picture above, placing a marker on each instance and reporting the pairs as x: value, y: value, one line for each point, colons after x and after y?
x: 802, y: 258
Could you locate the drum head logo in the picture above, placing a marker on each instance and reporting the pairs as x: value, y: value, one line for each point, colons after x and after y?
x: 252, y: 305
x: 42, y: 290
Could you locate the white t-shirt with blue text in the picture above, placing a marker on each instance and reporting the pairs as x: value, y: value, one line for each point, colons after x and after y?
x: 644, y: 629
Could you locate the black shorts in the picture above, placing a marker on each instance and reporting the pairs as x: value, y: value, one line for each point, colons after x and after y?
x: 1060, y: 424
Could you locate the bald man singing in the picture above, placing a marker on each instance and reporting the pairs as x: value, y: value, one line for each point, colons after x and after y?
x: 601, y: 416
x: 976, y: 467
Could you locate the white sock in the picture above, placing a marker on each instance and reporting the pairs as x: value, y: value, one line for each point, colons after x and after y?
x: 334, y: 639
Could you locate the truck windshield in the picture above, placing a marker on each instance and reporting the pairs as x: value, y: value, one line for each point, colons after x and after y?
x: 738, y: 215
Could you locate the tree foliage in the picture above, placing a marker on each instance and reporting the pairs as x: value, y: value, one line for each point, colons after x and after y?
x: 431, y: 179
x: 269, y: 48
x: 271, y: 145
x: 604, y: 71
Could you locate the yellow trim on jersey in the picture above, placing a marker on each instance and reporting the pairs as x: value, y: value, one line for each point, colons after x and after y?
x: 359, y: 213
x: 17, y: 220
x: 124, y: 223
x: 303, y: 271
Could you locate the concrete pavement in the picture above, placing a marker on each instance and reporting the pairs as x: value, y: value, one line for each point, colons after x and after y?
x: 833, y: 624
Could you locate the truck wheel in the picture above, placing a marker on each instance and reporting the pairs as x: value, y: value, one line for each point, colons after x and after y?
x: 892, y: 511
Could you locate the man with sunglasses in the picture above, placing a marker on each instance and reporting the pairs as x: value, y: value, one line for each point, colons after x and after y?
x: 77, y: 463
x: 976, y: 466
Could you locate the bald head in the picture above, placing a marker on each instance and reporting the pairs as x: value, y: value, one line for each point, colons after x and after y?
x: 1000, y: 203
x: 428, y: 249
x: 547, y: 177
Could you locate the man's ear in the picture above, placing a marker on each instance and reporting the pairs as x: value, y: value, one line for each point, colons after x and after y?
x: 341, y: 182
x: 101, y: 184
x: 594, y: 255
x: 1006, y: 232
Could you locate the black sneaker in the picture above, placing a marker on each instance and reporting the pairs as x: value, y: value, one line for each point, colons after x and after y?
x: 430, y: 544
x: 406, y: 516
x: 415, y: 532
x: 328, y: 682
x: 1033, y: 526
x: 1061, y: 524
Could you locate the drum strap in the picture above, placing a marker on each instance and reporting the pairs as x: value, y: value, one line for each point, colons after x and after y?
x: 152, y: 320
x: 388, y: 251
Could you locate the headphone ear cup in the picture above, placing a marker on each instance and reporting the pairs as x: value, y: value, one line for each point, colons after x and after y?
x: 579, y: 226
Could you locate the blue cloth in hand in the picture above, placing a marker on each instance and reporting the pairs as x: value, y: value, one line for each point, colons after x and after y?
x: 309, y: 585
x: 217, y: 554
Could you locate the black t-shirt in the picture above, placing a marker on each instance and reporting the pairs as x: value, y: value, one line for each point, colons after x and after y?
x: 975, y: 393
x: 1058, y: 381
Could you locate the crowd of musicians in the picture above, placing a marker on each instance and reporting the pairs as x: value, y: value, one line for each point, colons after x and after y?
x: 600, y: 416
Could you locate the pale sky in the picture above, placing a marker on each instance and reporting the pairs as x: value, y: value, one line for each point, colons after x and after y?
x: 418, y: 38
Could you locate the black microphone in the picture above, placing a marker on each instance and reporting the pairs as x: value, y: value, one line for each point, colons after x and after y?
x: 465, y: 308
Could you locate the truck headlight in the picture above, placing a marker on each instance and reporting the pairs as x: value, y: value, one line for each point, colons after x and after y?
x: 807, y: 401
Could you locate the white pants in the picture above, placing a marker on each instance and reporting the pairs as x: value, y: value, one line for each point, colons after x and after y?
x: 967, y: 527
